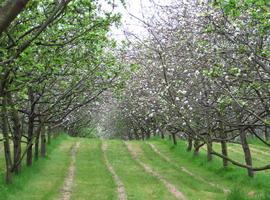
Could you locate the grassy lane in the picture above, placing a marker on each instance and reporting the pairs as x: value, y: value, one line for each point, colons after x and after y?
x: 260, y: 157
x: 179, y: 156
x: 92, y: 178
x: 44, y: 179
x: 233, y: 177
x: 139, y: 184
x: 120, y: 186
x: 191, y: 187
x: 156, y: 164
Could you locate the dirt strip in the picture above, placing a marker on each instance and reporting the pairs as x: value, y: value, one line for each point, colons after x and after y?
x: 185, y: 170
x: 171, y: 188
x: 120, y: 186
x: 66, y: 191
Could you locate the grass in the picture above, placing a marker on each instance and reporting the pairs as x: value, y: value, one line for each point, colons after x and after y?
x: 92, y: 178
x: 44, y: 179
x: 232, y: 177
x: 138, y: 183
x: 191, y: 187
x: 260, y: 156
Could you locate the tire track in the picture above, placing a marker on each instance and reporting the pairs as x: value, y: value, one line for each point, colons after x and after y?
x: 171, y: 188
x: 66, y: 191
x: 185, y: 170
x: 120, y: 186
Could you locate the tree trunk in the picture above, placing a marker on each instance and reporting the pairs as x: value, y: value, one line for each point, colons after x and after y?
x: 266, y: 133
x: 31, y: 118
x: 174, y: 138
x: 4, y: 115
x: 137, y: 136
x: 37, y: 136
x: 29, y: 156
x: 129, y: 135
x: 49, y: 136
x: 224, y: 148
x: 224, y: 151
x: 148, y: 135
x: 196, y: 149
x: 17, y: 135
x: 190, y: 143
x: 209, y: 150
x: 162, y: 134
x: 209, y: 144
x: 43, y: 142
x: 9, y: 10
x: 143, y: 135
x: 245, y: 146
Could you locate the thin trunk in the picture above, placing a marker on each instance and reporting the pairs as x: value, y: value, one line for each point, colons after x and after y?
x: 31, y: 118
x: 17, y: 135
x: 43, y: 142
x: 162, y: 134
x: 155, y: 130
x: 37, y: 141
x: 209, y: 143
x: 196, y: 149
x: 266, y: 133
x: 190, y: 143
x: 209, y: 150
x: 29, y: 156
x: 4, y: 115
x: 246, y: 149
x: 49, y: 136
x: 129, y: 136
x: 136, y: 135
x: 224, y: 148
x: 143, y: 134
x: 174, y: 138
x: 224, y: 151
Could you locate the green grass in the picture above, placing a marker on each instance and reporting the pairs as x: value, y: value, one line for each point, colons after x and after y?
x: 191, y: 187
x: 139, y: 184
x: 260, y: 156
x: 44, y: 179
x: 233, y: 177
x: 92, y: 178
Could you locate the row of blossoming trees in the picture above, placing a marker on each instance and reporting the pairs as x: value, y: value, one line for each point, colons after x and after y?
x: 204, y: 75
x: 55, y: 62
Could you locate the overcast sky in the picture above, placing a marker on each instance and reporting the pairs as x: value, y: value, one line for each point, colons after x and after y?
x: 136, y: 8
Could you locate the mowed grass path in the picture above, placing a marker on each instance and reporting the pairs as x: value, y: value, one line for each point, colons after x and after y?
x: 193, y: 188
x: 234, y: 178
x: 92, y: 178
x: 138, y: 183
x: 193, y: 176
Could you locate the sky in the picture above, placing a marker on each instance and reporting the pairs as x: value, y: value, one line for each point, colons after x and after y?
x: 130, y: 24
